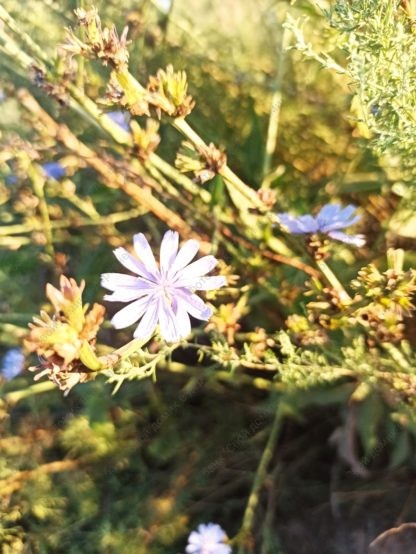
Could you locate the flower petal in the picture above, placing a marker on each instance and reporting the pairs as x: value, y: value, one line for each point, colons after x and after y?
x: 144, y: 252
x: 182, y: 320
x: 298, y: 225
x: 167, y: 322
x: 168, y: 250
x: 197, y: 269
x: 328, y: 212
x: 114, y: 281
x: 193, y: 304
x: 355, y: 240
x: 193, y: 548
x: 149, y: 321
x: 185, y: 255
x: 333, y: 217
x: 132, y: 264
x: 202, y: 283
x: 131, y: 292
x: 131, y: 313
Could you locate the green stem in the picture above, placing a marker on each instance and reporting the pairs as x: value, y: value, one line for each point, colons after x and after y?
x: 24, y: 37
x: 173, y: 174
x: 273, y: 127
x: 230, y: 177
x: 38, y: 181
x: 333, y: 281
x: 261, y: 474
x: 22, y: 228
x: 37, y: 388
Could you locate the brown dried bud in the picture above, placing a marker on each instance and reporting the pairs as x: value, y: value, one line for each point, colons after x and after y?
x: 268, y: 197
x: 204, y: 162
x: 102, y: 43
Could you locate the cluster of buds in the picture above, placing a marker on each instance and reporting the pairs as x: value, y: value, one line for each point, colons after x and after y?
x: 204, y: 162
x: 145, y: 140
x: 226, y: 320
x: 318, y: 247
x: 391, y: 296
x: 399, y: 383
x: 305, y: 332
x: 169, y: 93
x: 65, y: 343
x: 101, y: 43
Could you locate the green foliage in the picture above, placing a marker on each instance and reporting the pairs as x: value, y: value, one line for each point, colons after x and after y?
x: 311, y: 338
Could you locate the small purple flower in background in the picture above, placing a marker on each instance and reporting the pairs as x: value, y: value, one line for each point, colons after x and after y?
x: 54, y: 170
x: 330, y: 219
x: 12, y: 363
x: 161, y: 294
x: 120, y: 118
x: 209, y: 538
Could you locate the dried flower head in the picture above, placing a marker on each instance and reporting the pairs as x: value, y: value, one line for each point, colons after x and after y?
x: 204, y: 162
x: 101, y: 43
x: 169, y: 93
x: 146, y: 140
x: 65, y: 342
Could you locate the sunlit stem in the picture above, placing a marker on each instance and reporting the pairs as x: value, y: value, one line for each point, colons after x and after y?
x: 261, y: 474
x: 38, y: 181
x: 121, y: 353
x: 37, y: 388
x: 229, y: 176
x: 274, y: 118
x: 344, y: 297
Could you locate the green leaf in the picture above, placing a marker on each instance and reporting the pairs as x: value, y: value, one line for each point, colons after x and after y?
x: 369, y: 415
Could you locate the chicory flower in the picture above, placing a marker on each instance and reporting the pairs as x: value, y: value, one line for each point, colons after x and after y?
x: 329, y: 221
x: 161, y: 293
x: 209, y: 538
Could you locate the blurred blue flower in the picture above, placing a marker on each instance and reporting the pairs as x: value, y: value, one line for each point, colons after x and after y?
x: 11, y: 179
x: 120, y: 118
x: 209, y: 538
x: 54, y: 170
x: 12, y: 363
x: 330, y: 219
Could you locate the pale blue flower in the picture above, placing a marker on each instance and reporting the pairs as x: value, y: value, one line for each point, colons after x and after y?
x: 54, y: 170
x: 209, y: 538
x: 120, y: 118
x: 330, y: 219
x: 161, y: 294
x: 12, y: 363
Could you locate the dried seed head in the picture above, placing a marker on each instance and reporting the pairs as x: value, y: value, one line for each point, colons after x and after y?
x: 169, y: 93
x: 65, y: 342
